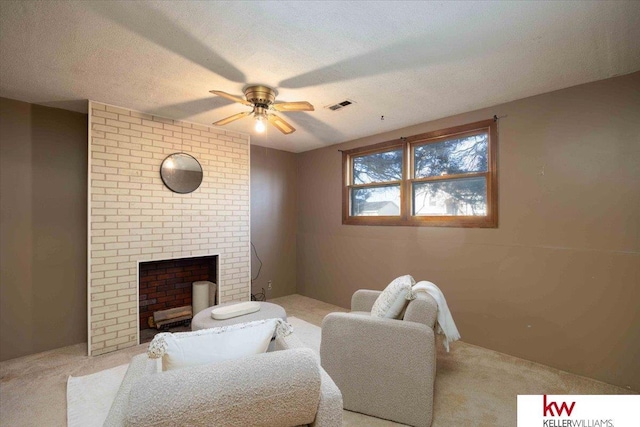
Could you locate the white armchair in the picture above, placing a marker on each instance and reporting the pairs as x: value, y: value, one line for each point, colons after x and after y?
x: 383, y: 367
x: 283, y: 387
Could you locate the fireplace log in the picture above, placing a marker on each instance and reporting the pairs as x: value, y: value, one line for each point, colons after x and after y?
x: 172, y: 315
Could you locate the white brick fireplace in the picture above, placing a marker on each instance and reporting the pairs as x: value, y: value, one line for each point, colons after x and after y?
x: 133, y: 217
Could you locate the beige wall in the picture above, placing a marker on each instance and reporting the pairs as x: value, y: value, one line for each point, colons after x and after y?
x: 134, y: 217
x: 43, y: 228
x: 273, y: 220
x: 558, y: 282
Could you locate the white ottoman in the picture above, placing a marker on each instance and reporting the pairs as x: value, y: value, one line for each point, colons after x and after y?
x: 203, y: 319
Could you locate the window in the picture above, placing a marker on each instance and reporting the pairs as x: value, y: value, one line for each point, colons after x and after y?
x: 442, y: 178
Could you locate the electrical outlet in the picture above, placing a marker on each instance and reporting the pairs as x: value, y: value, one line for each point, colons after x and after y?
x: 269, y: 285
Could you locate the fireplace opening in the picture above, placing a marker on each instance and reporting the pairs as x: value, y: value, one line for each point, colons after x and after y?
x: 167, y: 284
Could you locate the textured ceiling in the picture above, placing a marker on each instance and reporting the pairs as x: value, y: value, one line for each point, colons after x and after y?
x: 409, y: 61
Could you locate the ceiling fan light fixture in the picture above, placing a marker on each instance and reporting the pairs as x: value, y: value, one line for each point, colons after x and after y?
x: 260, y: 113
x: 260, y: 127
x: 262, y: 98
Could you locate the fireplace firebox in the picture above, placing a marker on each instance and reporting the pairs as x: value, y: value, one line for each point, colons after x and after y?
x: 167, y: 284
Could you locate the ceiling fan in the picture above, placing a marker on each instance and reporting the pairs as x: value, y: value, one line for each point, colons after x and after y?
x: 262, y: 98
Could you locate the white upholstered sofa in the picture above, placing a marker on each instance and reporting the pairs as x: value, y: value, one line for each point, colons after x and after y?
x: 284, y: 387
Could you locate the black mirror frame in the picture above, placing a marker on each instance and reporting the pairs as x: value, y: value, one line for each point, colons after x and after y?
x: 166, y: 178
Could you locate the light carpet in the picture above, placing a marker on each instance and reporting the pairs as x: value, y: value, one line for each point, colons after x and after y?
x: 474, y: 386
x: 89, y: 397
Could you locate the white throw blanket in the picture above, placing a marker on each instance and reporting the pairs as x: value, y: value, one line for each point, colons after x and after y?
x: 445, y: 324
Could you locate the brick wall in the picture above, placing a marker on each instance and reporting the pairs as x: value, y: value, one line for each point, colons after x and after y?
x: 167, y: 284
x: 133, y: 217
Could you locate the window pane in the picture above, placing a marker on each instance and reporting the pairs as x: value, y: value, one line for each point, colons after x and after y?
x: 455, y: 156
x: 462, y: 197
x: 375, y: 201
x: 378, y: 167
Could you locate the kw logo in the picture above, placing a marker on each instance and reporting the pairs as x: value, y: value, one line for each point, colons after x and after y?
x: 549, y: 407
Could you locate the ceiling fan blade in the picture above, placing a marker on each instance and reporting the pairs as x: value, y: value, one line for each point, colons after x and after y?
x: 231, y: 97
x: 281, y: 125
x: 293, y: 106
x: 232, y: 118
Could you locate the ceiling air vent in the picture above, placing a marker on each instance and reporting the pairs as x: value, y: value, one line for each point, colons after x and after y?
x: 340, y: 105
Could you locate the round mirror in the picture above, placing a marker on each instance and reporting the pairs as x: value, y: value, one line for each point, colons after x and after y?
x: 181, y: 173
